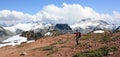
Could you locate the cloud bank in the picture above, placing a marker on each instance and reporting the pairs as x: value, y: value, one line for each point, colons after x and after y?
x: 68, y: 13
x: 11, y: 17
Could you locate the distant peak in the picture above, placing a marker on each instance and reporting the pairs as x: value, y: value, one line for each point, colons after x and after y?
x: 87, y: 19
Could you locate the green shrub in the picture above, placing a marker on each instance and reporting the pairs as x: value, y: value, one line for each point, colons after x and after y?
x: 97, y: 53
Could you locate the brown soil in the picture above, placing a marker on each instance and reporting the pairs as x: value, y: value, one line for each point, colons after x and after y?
x: 55, y: 46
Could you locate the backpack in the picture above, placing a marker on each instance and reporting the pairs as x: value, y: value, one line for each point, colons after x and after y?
x: 78, y: 34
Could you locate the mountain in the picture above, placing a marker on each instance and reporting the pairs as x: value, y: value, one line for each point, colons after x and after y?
x: 4, y: 34
x: 84, y: 26
x: 88, y: 25
x: 27, y: 27
x: 6, y: 25
x: 63, y: 28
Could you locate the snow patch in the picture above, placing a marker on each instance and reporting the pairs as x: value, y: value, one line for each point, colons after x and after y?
x: 99, y: 31
x: 15, y: 40
x: 30, y: 41
x: 48, y: 34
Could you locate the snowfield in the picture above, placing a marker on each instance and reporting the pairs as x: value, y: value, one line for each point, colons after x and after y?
x: 15, y: 40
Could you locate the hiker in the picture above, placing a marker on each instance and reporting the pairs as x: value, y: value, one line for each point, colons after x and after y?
x: 78, y: 35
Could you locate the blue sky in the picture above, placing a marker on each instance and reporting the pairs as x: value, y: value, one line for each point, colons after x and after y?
x: 66, y: 11
x: 34, y: 6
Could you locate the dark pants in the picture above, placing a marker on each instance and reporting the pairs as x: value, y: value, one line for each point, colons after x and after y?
x: 77, y: 40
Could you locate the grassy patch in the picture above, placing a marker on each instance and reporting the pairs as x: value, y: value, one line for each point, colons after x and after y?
x: 86, y: 36
x: 60, y: 42
x: 105, y: 39
x: 93, y: 36
x: 52, y: 49
x: 102, y: 38
x: 109, y: 38
x: 82, y: 44
x: 97, y: 53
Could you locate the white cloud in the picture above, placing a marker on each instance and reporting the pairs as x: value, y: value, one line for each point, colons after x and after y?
x: 71, y: 13
x: 7, y: 16
x: 68, y: 13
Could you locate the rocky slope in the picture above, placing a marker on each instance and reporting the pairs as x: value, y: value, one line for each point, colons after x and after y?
x: 63, y: 46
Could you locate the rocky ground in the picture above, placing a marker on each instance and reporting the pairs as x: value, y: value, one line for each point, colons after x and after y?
x: 59, y: 46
